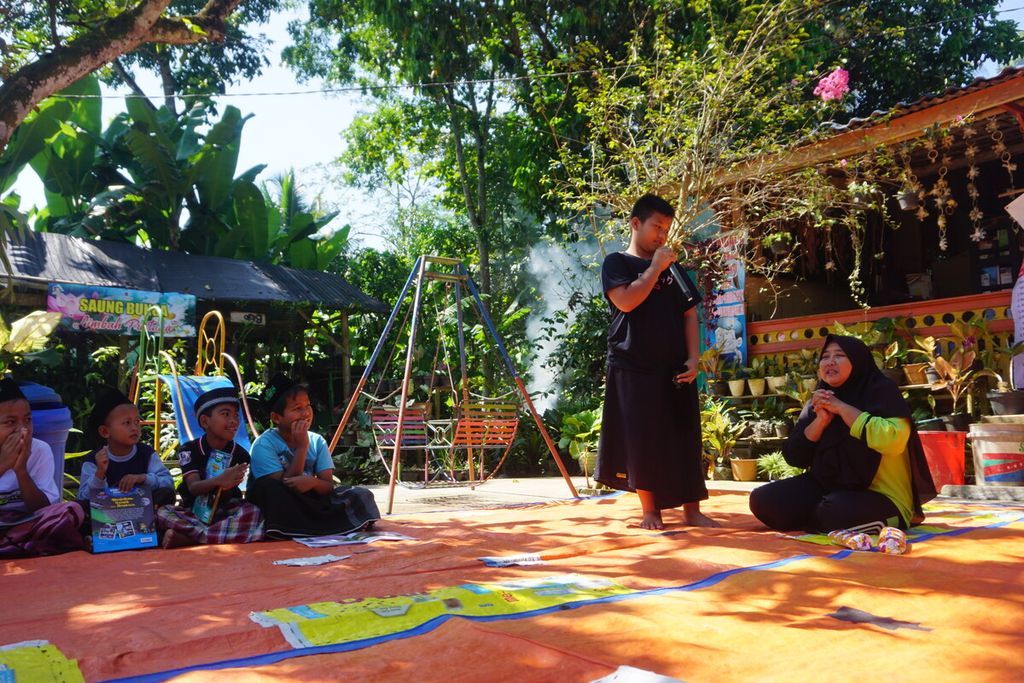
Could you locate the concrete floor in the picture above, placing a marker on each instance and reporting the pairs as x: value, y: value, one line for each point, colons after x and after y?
x: 498, y: 492
x: 503, y: 492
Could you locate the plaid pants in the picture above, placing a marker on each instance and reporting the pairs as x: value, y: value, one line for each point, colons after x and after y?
x: 235, y: 522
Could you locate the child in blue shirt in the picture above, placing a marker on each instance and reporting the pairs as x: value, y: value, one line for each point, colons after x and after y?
x: 293, y: 474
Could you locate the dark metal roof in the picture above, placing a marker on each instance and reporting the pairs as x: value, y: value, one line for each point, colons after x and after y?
x: 926, y: 101
x: 42, y: 257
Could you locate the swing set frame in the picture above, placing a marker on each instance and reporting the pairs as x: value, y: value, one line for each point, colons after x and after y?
x: 479, y: 424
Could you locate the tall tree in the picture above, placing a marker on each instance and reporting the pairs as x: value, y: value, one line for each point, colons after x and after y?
x: 82, y: 37
x: 451, y: 49
x: 200, y: 70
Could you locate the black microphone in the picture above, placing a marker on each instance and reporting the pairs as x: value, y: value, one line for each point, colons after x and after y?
x: 686, y: 285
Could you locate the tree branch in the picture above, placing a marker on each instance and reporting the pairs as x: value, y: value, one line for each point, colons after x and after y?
x: 144, y: 23
x: 132, y: 84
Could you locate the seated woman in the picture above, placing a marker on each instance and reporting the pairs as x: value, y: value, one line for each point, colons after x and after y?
x: 865, y: 465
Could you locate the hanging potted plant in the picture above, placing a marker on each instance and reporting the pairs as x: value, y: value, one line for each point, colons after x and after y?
x: 908, y: 199
x: 778, y: 243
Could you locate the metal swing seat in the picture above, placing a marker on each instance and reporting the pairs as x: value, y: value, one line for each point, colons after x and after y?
x: 478, y: 426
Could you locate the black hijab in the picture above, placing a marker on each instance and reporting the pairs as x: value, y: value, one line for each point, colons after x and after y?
x: 842, y: 462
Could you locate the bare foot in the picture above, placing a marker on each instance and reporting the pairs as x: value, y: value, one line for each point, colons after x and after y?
x: 652, y: 520
x: 697, y: 518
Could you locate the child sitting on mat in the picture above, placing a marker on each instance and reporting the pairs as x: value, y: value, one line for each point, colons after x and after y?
x: 123, y: 462
x: 229, y: 518
x: 33, y: 520
x: 293, y: 474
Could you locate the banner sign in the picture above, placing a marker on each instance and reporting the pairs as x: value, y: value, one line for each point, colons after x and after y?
x: 109, y: 310
x: 730, y: 331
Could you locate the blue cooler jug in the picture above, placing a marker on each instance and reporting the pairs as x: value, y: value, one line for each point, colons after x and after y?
x: 51, y: 422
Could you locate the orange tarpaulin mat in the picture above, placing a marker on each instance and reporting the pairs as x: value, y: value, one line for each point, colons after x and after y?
x: 737, y: 603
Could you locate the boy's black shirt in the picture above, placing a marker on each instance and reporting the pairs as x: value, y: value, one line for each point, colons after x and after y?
x: 652, y: 337
x: 194, y: 456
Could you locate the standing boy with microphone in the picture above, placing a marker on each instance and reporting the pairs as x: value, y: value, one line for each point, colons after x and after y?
x: 650, y: 435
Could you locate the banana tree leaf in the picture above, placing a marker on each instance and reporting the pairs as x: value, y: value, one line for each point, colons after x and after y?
x: 302, y: 226
x: 329, y: 248
x: 191, y: 141
x: 57, y: 203
x: 31, y: 137
x: 250, y: 175
x: 157, y: 162
x: 251, y: 218
x: 144, y: 117
x: 302, y: 254
x: 31, y: 332
x: 214, y: 166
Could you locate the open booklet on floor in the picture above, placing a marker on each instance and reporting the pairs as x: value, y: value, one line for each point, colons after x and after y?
x: 354, y: 538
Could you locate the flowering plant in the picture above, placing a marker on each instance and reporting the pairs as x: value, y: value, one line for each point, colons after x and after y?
x: 834, y: 85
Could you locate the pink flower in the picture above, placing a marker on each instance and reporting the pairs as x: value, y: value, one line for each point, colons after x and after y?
x: 834, y: 85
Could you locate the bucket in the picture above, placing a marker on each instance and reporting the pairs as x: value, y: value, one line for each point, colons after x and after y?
x: 998, y: 453
x: 51, y: 422
x: 944, y: 452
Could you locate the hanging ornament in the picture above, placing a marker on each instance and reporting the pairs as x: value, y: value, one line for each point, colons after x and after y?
x: 999, y: 147
x: 976, y: 215
x: 944, y: 205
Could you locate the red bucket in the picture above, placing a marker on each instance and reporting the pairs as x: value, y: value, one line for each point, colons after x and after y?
x: 945, y: 454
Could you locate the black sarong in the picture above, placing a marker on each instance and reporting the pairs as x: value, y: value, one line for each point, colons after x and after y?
x: 288, y: 513
x: 650, y: 438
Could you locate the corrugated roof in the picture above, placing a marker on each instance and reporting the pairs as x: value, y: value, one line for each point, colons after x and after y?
x: 44, y: 257
x: 926, y: 101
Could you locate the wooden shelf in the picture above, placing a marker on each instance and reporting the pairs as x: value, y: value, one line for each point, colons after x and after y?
x: 761, y: 440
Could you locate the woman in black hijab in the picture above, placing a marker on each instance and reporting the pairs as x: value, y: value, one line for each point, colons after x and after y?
x: 865, y: 465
